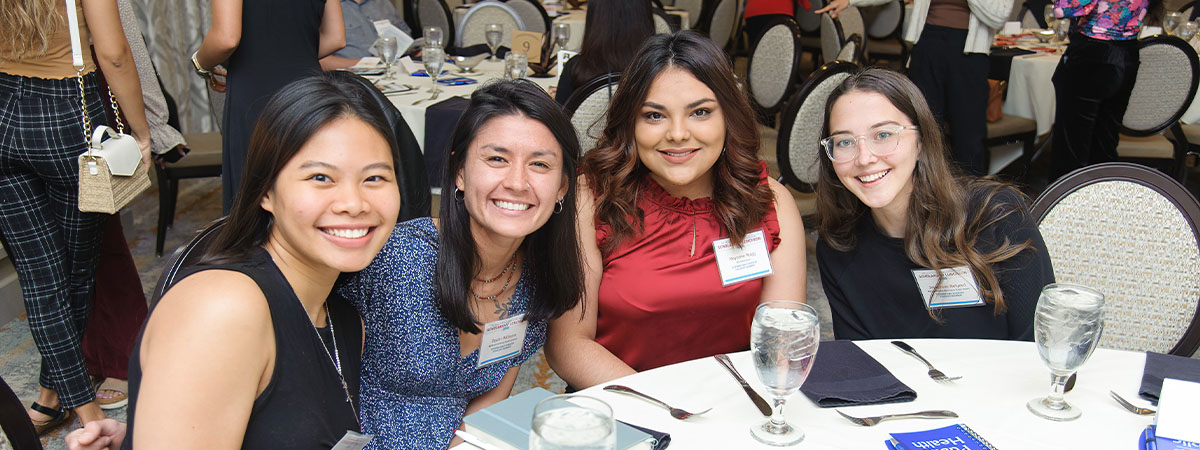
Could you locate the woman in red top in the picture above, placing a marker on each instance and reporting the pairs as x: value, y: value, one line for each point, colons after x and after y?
x: 675, y: 175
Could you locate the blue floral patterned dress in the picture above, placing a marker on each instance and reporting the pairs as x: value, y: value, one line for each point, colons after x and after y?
x: 415, y: 384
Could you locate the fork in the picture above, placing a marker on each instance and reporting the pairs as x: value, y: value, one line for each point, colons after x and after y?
x: 431, y: 97
x: 937, y: 375
x: 871, y: 421
x: 1130, y: 406
x: 675, y: 412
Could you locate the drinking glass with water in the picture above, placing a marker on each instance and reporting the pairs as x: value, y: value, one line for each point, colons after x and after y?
x: 1067, y: 325
x: 783, y: 343
x: 572, y: 422
x: 493, y: 33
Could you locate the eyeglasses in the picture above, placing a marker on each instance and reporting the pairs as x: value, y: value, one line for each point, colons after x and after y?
x: 883, y: 141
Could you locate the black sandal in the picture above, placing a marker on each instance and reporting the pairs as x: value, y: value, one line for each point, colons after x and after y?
x: 58, y: 418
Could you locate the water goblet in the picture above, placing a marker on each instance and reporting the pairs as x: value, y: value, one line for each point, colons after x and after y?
x: 1061, y: 29
x: 783, y: 343
x: 493, y: 33
x: 433, y: 37
x: 388, y: 50
x: 1187, y: 30
x: 1048, y: 14
x: 515, y: 66
x: 575, y: 422
x: 433, y: 58
x: 1067, y: 324
x: 562, y: 34
x: 1172, y: 21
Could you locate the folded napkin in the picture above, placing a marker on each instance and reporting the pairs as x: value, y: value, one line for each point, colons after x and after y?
x: 844, y: 375
x: 661, y: 440
x: 477, y: 49
x: 440, y: 119
x: 1159, y: 366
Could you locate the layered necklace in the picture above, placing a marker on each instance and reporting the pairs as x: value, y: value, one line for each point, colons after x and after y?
x: 511, y: 270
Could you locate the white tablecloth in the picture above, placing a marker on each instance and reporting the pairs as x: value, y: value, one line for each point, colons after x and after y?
x: 999, y: 377
x: 414, y: 115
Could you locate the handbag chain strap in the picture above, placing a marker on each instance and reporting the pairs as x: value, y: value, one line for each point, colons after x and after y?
x: 77, y: 62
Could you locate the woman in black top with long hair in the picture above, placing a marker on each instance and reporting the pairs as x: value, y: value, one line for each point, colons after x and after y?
x: 613, y: 33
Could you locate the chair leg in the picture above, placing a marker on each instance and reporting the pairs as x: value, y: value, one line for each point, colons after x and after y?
x: 165, y: 211
x: 172, y: 201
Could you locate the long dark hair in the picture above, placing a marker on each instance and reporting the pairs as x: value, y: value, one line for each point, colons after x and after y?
x: 287, y: 122
x: 552, y: 256
x: 612, y: 34
x: 614, y: 172
x: 941, y: 232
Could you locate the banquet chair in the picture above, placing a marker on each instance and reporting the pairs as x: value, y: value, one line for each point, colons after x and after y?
x: 694, y: 8
x: 1130, y: 232
x: 661, y: 24
x: 810, y: 29
x: 798, y: 148
x: 416, y: 199
x: 884, y: 24
x: 836, y: 33
x: 435, y: 13
x: 532, y: 13
x: 203, y: 161
x: 186, y: 255
x: 725, y: 18
x: 1010, y: 129
x: 1162, y: 91
x: 480, y: 15
x: 15, y: 421
x: 773, y: 67
x: 588, y: 106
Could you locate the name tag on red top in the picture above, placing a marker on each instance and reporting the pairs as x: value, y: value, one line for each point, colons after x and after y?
x: 957, y: 287
x: 738, y: 263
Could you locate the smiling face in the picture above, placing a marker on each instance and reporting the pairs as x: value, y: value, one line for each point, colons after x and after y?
x: 680, y: 132
x: 511, y: 178
x: 883, y: 183
x: 336, y: 201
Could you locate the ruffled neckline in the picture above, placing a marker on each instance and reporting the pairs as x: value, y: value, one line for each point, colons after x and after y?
x: 659, y: 196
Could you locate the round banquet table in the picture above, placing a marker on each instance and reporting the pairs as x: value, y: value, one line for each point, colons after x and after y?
x: 998, y: 378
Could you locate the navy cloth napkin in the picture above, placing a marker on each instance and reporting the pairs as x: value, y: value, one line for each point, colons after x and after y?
x: 440, y: 119
x: 478, y: 49
x: 661, y: 440
x: 844, y: 375
x: 1159, y: 366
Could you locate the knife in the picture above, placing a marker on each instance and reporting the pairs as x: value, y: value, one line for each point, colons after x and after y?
x: 762, y: 405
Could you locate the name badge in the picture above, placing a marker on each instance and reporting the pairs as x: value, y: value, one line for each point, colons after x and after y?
x: 353, y: 441
x: 957, y: 289
x: 502, y: 339
x: 746, y: 262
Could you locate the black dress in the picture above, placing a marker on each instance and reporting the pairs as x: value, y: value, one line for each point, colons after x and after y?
x: 279, y: 44
x: 304, y: 405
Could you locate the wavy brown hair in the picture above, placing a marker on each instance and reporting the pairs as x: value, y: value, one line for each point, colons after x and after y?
x: 27, y: 27
x: 614, y: 172
x: 940, y: 232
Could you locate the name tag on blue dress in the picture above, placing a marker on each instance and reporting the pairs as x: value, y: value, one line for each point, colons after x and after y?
x: 502, y: 339
x: 738, y: 263
x: 353, y: 441
x: 957, y: 287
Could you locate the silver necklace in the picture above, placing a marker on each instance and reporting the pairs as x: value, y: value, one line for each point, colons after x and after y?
x: 334, y: 357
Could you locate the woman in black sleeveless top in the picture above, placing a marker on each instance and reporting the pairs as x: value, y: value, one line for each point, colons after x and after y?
x: 244, y: 351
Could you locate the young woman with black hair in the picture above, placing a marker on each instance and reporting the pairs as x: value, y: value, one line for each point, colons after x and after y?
x: 613, y: 32
x: 502, y: 253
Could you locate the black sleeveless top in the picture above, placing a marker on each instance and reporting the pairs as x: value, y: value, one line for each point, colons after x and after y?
x: 303, y: 405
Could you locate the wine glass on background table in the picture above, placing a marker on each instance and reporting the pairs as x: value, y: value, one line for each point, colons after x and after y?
x: 493, y: 33
x: 433, y: 37
x: 433, y: 58
x: 1067, y: 325
x: 1048, y: 14
x: 562, y: 34
x: 574, y: 422
x: 1061, y: 29
x: 783, y: 343
x: 388, y: 50
x: 1187, y: 30
x: 1172, y: 21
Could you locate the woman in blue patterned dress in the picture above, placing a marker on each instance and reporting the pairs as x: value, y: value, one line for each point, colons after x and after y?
x: 503, y: 250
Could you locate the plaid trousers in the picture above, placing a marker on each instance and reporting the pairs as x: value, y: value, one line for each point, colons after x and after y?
x: 52, y: 243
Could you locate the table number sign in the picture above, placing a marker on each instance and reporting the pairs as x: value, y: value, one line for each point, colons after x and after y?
x: 529, y: 44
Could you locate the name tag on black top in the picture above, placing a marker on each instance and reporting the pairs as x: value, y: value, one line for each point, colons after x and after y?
x: 353, y: 441
x: 954, y: 289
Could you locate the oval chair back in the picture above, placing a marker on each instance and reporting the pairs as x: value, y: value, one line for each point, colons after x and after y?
x: 482, y: 14
x: 798, y: 148
x: 588, y: 109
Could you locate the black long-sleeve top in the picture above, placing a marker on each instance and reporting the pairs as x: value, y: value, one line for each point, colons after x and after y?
x: 873, y: 294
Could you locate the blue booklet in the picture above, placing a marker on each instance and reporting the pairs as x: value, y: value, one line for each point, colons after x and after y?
x: 1149, y: 441
x: 953, y: 437
x: 506, y: 424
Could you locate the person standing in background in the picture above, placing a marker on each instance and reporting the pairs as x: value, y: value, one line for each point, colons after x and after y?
x: 281, y: 42
x: 613, y: 32
x: 951, y: 40
x: 42, y: 133
x: 1094, y: 79
x: 360, y: 17
x: 760, y: 12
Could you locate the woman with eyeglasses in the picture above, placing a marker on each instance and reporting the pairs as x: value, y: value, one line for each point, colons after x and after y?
x: 910, y: 247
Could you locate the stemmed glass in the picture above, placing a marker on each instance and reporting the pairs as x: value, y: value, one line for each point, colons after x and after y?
x: 433, y: 58
x: 1172, y: 21
x: 783, y: 343
x: 572, y: 422
x: 1048, y: 14
x: 493, y: 32
x: 562, y: 34
x: 1067, y: 325
x: 389, y: 52
x: 1187, y: 30
x: 433, y: 37
x: 1061, y: 28
x: 515, y: 65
